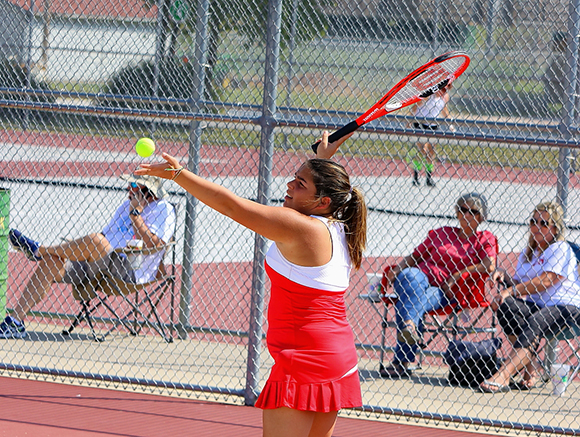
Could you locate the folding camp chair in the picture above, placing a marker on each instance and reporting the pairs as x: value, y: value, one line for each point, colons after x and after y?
x: 447, y: 321
x: 569, y: 335
x: 142, y: 300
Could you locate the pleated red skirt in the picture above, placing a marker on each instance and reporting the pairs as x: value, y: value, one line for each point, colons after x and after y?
x: 313, y: 349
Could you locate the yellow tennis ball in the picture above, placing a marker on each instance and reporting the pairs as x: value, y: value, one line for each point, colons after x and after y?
x: 145, y: 147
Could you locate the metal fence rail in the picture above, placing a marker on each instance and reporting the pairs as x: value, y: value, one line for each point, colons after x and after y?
x: 239, y: 90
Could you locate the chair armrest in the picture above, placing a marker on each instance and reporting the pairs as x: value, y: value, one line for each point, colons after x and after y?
x: 470, y: 290
x: 145, y: 250
x: 384, y: 281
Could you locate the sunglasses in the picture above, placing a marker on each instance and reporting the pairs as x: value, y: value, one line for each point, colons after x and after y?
x: 466, y: 210
x: 539, y: 223
x: 136, y: 187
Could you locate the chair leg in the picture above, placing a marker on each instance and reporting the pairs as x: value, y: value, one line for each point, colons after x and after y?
x: 136, y: 311
x: 119, y: 320
x: 383, y: 339
x: 85, y: 313
x: 575, y: 353
x: 96, y: 337
x: 153, y: 310
x: 153, y: 306
x: 440, y: 327
x: 78, y: 319
x: 550, y: 355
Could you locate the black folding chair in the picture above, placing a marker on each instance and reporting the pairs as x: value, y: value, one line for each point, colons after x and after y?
x: 138, y: 306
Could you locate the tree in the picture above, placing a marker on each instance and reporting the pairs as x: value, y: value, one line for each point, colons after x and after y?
x: 248, y: 18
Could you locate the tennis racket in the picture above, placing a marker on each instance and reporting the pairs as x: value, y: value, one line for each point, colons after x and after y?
x: 420, y: 84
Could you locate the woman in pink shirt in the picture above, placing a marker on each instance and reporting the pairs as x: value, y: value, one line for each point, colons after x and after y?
x: 427, y: 279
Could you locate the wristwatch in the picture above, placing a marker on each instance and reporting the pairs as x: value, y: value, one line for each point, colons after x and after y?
x: 135, y: 212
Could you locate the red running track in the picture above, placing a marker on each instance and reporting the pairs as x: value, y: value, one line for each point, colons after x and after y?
x: 231, y: 161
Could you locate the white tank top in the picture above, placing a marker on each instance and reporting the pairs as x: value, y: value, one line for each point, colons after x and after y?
x: 332, y: 276
x: 431, y: 108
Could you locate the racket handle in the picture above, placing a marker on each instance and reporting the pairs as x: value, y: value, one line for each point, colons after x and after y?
x: 345, y: 130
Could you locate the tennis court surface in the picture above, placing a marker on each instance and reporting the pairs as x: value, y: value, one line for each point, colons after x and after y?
x: 38, y: 408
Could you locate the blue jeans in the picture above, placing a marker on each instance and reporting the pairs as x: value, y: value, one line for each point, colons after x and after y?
x: 416, y: 297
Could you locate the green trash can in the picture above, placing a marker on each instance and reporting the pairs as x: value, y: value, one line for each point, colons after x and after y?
x: 4, y: 228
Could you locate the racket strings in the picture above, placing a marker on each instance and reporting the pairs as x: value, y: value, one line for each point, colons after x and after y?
x: 433, y: 76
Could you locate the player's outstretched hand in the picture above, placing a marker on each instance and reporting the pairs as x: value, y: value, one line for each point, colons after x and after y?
x: 326, y: 150
x: 165, y: 170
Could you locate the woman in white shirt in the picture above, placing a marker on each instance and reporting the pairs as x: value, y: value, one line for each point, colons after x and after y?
x: 542, y: 298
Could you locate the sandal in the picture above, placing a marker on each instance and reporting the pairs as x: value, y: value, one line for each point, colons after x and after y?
x: 531, y: 377
x: 521, y: 386
x: 529, y: 384
x: 395, y: 371
x: 498, y: 387
x: 409, y: 335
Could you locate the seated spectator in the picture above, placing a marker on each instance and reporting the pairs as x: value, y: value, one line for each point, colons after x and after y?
x: 145, y: 215
x: 427, y: 279
x: 542, y: 297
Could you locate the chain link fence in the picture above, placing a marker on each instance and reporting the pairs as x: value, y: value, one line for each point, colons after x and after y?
x: 239, y: 90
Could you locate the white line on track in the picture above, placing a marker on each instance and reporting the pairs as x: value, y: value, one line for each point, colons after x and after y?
x: 29, y: 153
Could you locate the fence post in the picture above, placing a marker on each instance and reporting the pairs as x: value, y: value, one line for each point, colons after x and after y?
x: 290, y: 69
x: 195, y: 132
x: 4, y: 245
x: 29, y: 61
x: 160, y: 34
x: 264, y: 182
x: 492, y: 9
x: 569, y: 108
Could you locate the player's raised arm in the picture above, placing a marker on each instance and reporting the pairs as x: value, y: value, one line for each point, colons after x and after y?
x: 319, y: 188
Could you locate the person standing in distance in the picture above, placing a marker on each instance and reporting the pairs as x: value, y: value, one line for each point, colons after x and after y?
x: 318, y: 236
x: 424, y: 153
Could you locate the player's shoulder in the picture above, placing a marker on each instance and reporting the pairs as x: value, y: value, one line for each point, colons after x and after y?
x: 560, y: 247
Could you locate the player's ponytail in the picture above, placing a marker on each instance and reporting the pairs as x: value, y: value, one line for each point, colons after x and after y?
x: 347, y: 203
x: 354, y: 216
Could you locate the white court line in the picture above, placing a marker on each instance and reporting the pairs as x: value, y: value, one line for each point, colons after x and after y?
x: 51, y: 212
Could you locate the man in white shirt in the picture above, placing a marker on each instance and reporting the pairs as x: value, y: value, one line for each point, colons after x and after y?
x: 145, y: 216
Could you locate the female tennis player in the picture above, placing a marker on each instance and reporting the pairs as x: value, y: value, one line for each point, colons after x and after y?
x: 319, y: 235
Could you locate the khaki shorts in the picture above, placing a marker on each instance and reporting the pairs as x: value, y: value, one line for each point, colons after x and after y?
x: 78, y: 272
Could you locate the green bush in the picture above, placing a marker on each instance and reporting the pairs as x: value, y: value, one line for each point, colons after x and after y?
x: 175, y: 81
x: 13, y: 75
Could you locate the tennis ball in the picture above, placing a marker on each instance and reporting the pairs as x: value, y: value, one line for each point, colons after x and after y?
x: 145, y: 147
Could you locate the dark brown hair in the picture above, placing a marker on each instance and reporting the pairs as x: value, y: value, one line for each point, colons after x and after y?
x: 347, y: 203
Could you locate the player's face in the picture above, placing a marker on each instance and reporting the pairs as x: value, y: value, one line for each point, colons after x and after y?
x: 137, y: 190
x: 301, y: 192
x: 542, y: 229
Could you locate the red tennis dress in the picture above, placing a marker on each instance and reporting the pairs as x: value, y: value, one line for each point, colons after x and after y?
x: 315, y: 360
